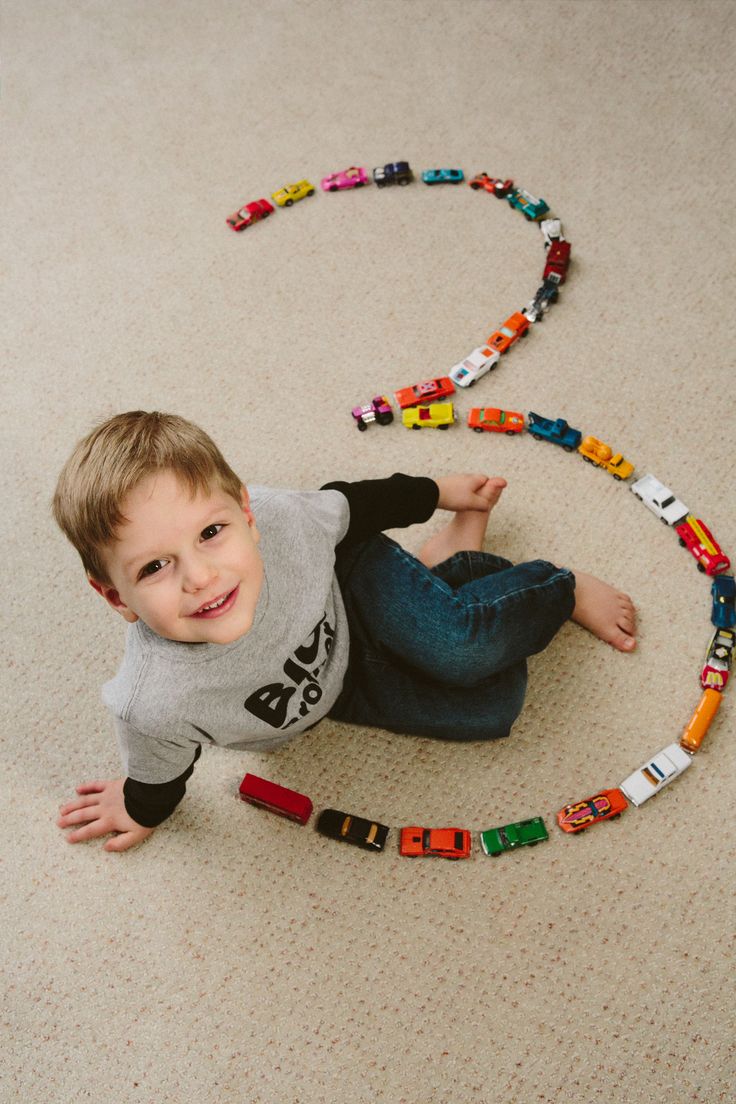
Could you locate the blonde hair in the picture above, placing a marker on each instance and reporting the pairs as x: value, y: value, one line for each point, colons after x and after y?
x: 113, y: 459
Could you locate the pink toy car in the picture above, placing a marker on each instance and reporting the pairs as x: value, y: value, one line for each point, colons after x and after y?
x: 348, y: 178
x: 378, y: 410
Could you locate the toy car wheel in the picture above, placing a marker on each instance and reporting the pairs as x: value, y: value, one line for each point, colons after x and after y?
x: 359, y: 183
x: 416, y: 427
x: 333, y: 188
x: 587, y: 460
x: 289, y: 203
x: 474, y: 186
x: 477, y: 429
x: 700, y: 568
x: 510, y: 432
x: 567, y: 448
x: 310, y: 192
x: 447, y: 427
x: 402, y: 183
x: 617, y: 477
x: 361, y: 426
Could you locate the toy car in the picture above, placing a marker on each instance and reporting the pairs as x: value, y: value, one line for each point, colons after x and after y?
x: 558, y: 260
x: 436, y: 416
x: 377, y: 410
x: 723, y: 593
x: 497, y: 840
x: 446, y: 843
x: 700, y: 721
x: 499, y: 188
x: 425, y: 392
x: 396, y: 172
x: 289, y: 194
x: 551, y: 231
x: 530, y: 207
x: 277, y: 799
x: 666, y: 765
x: 513, y: 328
x: 606, y: 805
x: 252, y: 212
x: 660, y: 500
x: 557, y: 431
x: 492, y: 420
x: 595, y: 452
x: 443, y: 176
x: 718, y: 660
x: 367, y: 834
x: 695, y: 535
x: 537, y: 307
x: 475, y: 366
x: 348, y: 178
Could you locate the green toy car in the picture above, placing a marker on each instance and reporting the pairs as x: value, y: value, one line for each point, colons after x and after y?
x: 497, y: 840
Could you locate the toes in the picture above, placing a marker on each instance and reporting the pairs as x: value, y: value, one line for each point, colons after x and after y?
x: 622, y: 640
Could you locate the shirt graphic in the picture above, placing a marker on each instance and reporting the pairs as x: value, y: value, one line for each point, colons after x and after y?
x: 281, y: 704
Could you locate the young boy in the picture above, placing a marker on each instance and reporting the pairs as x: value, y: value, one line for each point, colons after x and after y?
x: 252, y: 615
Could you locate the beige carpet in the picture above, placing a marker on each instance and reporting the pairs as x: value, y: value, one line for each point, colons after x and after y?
x: 235, y: 956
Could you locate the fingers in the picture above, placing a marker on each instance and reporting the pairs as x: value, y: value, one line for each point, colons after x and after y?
x: 92, y: 787
x: 90, y: 831
x: 121, y: 842
x: 79, y: 815
x: 81, y: 803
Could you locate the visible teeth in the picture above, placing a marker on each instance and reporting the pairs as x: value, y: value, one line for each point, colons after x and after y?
x: 214, y: 605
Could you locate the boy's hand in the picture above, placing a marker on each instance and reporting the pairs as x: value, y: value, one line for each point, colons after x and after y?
x: 460, y: 492
x: 101, y: 810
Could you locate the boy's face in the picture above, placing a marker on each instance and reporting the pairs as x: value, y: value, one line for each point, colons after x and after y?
x: 186, y: 566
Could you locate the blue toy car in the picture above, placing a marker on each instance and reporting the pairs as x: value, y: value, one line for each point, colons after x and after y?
x: 558, y: 432
x: 443, y: 176
x: 723, y: 591
x: 530, y: 207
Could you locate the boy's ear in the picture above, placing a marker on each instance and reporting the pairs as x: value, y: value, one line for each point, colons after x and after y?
x: 245, y: 505
x: 113, y: 599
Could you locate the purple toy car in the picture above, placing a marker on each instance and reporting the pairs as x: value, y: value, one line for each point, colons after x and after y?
x: 378, y: 410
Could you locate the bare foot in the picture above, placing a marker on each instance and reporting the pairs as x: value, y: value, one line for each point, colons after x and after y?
x: 606, y: 612
x: 466, y: 530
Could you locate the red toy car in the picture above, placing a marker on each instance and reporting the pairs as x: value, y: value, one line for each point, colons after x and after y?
x: 492, y: 420
x: 513, y: 328
x: 604, y: 806
x: 697, y: 537
x: 252, y: 212
x: 447, y: 843
x: 558, y: 258
x: 424, y: 392
x: 499, y: 188
x: 275, y: 798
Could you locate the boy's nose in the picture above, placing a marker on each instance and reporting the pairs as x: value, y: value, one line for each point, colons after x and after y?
x: 198, y: 574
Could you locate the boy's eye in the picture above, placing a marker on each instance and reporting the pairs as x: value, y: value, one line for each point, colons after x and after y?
x: 211, y: 531
x: 152, y: 567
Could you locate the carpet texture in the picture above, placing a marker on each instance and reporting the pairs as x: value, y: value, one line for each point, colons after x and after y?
x: 235, y: 956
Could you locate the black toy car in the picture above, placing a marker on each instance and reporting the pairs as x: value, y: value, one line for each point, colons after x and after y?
x: 341, y: 826
x: 398, y: 172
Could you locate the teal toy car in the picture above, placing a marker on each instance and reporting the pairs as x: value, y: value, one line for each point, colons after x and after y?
x: 530, y: 207
x: 557, y: 431
x: 522, y: 832
x: 443, y: 176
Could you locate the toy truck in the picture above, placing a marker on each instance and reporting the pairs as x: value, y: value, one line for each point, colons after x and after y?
x: 377, y: 410
x: 596, y: 452
x: 396, y: 172
x: 695, y: 535
x: 557, y: 431
x: 558, y: 259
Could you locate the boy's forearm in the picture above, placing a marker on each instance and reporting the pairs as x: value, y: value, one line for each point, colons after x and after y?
x: 149, y: 804
x: 392, y: 503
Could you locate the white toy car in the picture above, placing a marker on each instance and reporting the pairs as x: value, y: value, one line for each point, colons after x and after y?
x: 551, y: 231
x: 666, y: 765
x: 475, y: 365
x: 660, y: 500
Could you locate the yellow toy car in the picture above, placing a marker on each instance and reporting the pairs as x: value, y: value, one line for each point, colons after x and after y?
x: 292, y: 192
x: 595, y: 452
x: 436, y: 416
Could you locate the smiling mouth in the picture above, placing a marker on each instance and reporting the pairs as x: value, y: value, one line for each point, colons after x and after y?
x: 219, y: 606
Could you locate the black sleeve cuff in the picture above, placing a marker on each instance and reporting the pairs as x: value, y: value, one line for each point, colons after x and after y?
x: 149, y: 804
x: 393, y: 503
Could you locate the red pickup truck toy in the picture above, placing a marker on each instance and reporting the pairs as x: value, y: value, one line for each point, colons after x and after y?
x: 558, y: 259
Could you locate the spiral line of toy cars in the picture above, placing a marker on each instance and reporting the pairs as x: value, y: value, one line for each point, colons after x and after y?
x: 420, y: 408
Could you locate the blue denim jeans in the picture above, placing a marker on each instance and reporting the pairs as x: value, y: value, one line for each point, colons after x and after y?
x: 442, y: 652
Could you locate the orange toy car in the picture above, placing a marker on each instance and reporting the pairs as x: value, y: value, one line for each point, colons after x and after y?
x: 699, y: 723
x: 447, y: 843
x: 513, y: 328
x: 493, y: 420
x: 425, y: 392
x: 604, y: 806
